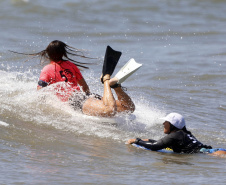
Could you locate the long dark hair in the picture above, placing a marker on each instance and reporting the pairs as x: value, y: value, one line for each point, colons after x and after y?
x: 173, y: 128
x: 57, y: 51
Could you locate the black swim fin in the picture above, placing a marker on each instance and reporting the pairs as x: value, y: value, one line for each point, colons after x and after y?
x: 110, y: 61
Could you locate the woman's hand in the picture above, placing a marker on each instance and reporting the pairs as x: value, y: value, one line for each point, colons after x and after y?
x: 131, y: 141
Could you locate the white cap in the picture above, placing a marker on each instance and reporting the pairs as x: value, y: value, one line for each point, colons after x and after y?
x: 175, y: 119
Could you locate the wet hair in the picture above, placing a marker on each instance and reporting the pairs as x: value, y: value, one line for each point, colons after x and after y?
x: 57, y: 51
x: 173, y: 128
x: 186, y: 131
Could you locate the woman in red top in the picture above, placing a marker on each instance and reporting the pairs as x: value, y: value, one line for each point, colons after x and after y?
x: 66, y: 78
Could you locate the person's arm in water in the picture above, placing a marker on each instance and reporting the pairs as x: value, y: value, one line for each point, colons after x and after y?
x: 151, y: 144
x: 81, y: 82
x: 84, y: 86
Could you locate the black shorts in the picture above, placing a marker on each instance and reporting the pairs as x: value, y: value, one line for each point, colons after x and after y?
x: 77, y: 99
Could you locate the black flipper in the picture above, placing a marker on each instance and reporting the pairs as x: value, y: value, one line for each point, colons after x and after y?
x: 110, y: 61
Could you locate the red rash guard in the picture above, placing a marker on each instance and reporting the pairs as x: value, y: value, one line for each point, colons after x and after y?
x: 65, y: 72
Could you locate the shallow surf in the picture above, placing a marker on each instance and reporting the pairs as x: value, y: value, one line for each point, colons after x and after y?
x: 179, y: 43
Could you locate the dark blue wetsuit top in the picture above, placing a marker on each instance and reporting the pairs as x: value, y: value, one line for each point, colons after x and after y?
x: 179, y: 141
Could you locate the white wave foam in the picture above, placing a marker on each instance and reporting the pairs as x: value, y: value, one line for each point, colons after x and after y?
x: 4, y: 124
x: 20, y: 97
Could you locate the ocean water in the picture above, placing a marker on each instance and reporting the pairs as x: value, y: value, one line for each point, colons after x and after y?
x: 181, y: 45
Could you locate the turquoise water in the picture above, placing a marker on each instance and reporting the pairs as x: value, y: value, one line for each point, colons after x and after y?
x: 181, y: 46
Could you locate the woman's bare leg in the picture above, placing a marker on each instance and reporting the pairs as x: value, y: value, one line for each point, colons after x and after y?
x: 124, y: 102
x: 105, y: 107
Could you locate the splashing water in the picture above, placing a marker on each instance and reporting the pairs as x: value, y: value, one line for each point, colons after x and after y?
x: 21, y: 100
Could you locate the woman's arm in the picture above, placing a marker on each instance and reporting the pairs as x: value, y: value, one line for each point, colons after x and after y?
x: 84, y: 86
